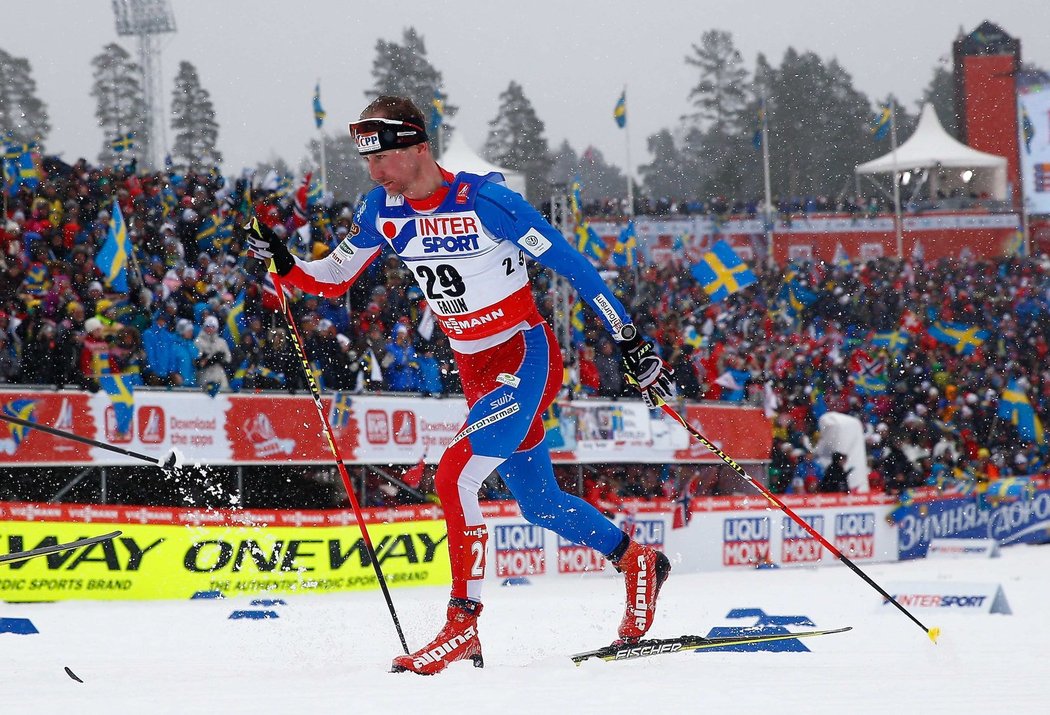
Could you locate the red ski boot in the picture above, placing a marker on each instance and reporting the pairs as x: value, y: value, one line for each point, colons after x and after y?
x: 645, y: 569
x: 458, y: 640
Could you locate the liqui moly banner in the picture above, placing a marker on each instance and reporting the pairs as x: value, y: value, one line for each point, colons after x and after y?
x: 234, y: 428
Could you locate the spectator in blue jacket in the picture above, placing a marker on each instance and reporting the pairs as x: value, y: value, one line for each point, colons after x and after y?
x: 159, y: 343
x: 186, y: 354
x: 401, y: 363
x: 429, y: 374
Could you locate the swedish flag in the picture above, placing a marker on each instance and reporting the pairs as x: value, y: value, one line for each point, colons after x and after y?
x: 121, y: 391
x: 576, y: 199
x: 239, y: 375
x: 1027, y: 130
x: 721, y: 272
x: 314, y: 193
x: 112, y: 260
x: 319, y: 113
x: 625, y: 252
x: 236, y: 320
x: 620, y: 110
x: 37, y: 279
x: 340, y: 417
x: 20, y: 170
x: 576, y: 320
x: 1015, y: 407
x: 964, y: 338
x: 168, y: 200
x: 894, y: 341
x: 880, y: 126
x: 552, y: 424
x: 23, y: 409
x: 589, y: 243
x: 692, y: 338
x: 124, y: 142
x: 437, y: 113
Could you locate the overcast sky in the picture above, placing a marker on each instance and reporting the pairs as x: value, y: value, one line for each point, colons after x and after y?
x: 259, y: 59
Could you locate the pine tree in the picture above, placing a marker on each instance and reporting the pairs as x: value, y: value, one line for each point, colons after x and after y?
x: 516, y: 141
x: 119, y: 100
x: 662, y: 177
x: 720, y: 95
x: 347, y: 176
x: 23, y: 116
x: 403, y: 70
x: 940, y: 92
x: 193, y: 122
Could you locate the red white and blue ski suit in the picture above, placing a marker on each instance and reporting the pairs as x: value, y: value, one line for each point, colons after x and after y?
x: 467, y: 247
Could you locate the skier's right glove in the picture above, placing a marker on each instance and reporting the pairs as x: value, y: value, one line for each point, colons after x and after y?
x: 263, y: 244
x: 645, y: 370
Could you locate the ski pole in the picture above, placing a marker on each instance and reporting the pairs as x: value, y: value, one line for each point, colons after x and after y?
x: 933, y: 633
x: 167, y: 463
x: 286, y: 311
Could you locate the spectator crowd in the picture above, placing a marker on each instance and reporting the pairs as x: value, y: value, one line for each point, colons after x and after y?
x: 176, y: 326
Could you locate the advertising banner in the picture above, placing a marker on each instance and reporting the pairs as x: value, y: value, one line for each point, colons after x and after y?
x: 234, y: 428
x: 1024, y: 521
x: 1035, y: 148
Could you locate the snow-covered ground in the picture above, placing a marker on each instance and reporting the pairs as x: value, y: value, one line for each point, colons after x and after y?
x: 330, y: 654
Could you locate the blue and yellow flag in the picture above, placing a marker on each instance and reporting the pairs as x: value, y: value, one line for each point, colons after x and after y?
x: 37, y: 279
x: 112, y: 260
x: 239, y: 375
x: 23, y: 409
x: 437, y: 113
x: 1027, y: 130
x: 895, y: 341
x: 20, y: 170
x: 121, y: 391
x: 964, y: 338
x: 576, y: 199
x: 123, y: 142
x: 721, y: 272
x: 1015, y: 407
x: 168, y: 200
x: 589, y: 243
x: 576, y: 320
x: 756, y: 138
x: 620, y: 110
x: 236, y: 320
x: 552, y: 424
x: 340, y: 416
x: 319, y: 113
x: 692, y: 338
x: 870, y: 377
x: 880, y: 126
x: 625, y: 252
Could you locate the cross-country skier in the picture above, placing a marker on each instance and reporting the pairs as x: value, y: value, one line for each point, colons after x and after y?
x: 466, y: 238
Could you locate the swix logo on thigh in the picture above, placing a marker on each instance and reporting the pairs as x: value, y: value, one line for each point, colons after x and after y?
x: 574, y: 558
x: 745, y: 541
x: 799, y: 546
x: 855, y: 534
x: 519, y: 550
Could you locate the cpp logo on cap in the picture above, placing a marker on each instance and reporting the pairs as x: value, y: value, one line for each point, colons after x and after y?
x: 367, y: 141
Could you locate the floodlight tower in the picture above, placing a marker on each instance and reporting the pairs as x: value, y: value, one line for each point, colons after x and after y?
x: 145, y: 19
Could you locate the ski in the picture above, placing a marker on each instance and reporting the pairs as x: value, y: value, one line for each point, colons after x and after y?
x: 45, y: 550
x: 679, y: 644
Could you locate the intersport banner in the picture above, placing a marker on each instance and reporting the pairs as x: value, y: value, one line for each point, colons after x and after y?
x: 268, y: 428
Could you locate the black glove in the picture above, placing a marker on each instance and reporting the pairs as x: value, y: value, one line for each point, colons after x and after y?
x: 644, y: 368
x: 263, y: 244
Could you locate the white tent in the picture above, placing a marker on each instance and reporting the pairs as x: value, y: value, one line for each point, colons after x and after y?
x: 457, y: 156
x: 951, y: 164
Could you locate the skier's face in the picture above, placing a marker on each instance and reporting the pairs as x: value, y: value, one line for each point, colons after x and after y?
x: 395, y: 169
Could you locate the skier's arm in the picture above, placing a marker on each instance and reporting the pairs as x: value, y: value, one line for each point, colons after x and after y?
x: 330, y: 276
x: 511, y: 217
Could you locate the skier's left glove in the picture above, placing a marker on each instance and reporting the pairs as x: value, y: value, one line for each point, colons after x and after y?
x: 264, y: 244
x: 645, y: 369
